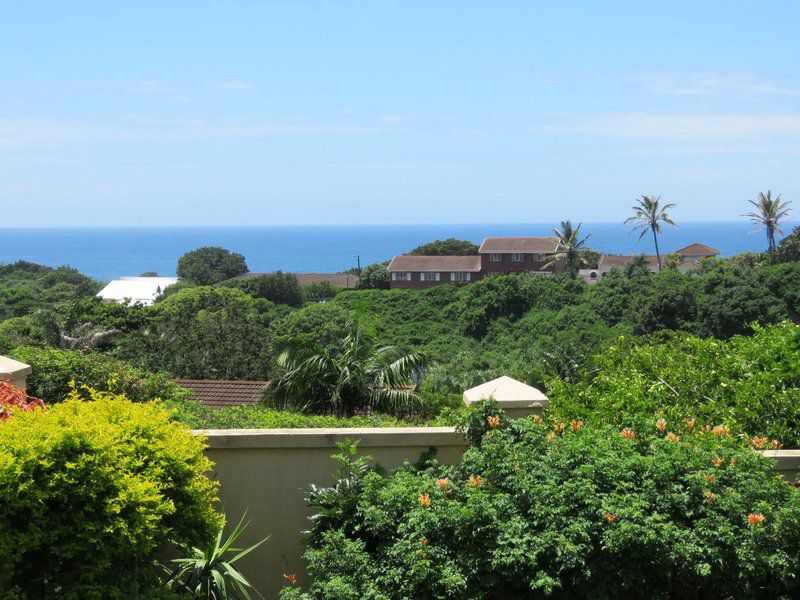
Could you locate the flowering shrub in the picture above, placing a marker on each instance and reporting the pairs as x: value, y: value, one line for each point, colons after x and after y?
x: 14, y: 398
x: 89, y: 491
x: 659, y: 510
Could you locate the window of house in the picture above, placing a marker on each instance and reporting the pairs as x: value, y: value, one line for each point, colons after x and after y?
x: 429, y: 277
x: 402, y: 276
x: 495, y: 257
x: 460, y: 276
x: 537, y: 256
x: 516, y: 257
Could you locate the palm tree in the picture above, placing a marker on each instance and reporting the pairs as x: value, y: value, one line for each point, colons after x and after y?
x: 771, y: 211
x: 648, y: 215
x: 570, y: 247
x: 363, y: 375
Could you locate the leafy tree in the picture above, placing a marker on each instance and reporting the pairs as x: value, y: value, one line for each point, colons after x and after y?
x: 570, y: 248
x: 591, y: 258
x: 783, y: 281
x: 448, y: 247
x: 210, y: 264
x: 320, y: 292
x: 770, y: 212
x: 374, y: 277
x: 668, y: 303
x: 648, y: 215
x: 638, y: 266
x: 364, y: 376
x: 278, y: 287
x: 789, y: 247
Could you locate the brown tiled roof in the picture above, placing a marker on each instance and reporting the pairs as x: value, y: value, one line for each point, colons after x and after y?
x: 530, y: 245
x: 618, y: 260
x: 436, y: 263
x: 342, y: 280
x: 220, y: 393
x: 697, y: 250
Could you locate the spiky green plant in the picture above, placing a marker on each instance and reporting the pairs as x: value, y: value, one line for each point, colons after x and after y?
x: 208, y: 574
x: 771, y: 211
x: 570, y: 247
x: 648, y: 215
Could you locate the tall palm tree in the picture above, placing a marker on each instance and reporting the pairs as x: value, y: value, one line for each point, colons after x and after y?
x: 362, y: 375
x: 570, y: 247
x: 771, y: 211
x: 648, y: 215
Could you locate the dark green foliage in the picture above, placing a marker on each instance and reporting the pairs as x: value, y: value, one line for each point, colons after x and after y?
x: 320, y: 292
x: 669, y: 302
x: 575, y: 512
x: 278, y: 287
x: 789, y: 247
x: 783, y: 282
x: 448, y: 247
x: 210, y: 265
x: 26, y: 287
x: 374, y: 277
x: 750, y: 383
x: 57, y: 372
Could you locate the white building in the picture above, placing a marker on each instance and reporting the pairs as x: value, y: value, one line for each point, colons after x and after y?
x: 135, y: 290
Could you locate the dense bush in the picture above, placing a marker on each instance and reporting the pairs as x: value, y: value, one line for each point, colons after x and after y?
x: 278, y: 287
x: 534, y: 511
x: 210, y: 264
x: 448, y: 247
x: 26, y: 287
x: 89, y: 492
x: 57, y: 372
x: 750, y: 383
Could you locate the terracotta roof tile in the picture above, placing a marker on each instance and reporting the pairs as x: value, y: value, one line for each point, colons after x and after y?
x: 436, y: 263
x: 697, y: 250
x: 531, y: 245
x: 342, y: 280
x: 221, y: 393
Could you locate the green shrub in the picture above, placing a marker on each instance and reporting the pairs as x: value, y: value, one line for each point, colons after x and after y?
x: 57, y: 372
x: 750, y: 383
x: 571, y: 512
x: 89, y: 492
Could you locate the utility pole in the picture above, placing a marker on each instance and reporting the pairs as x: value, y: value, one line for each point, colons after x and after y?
x: 358, y: 268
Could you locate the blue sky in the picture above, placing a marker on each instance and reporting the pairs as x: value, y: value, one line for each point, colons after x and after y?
x: 250, y: 113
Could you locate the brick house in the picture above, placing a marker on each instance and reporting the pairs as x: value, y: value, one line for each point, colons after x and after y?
x: 496, y: 256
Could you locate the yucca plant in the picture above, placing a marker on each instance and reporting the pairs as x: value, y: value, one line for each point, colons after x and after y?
x: 207, y: 573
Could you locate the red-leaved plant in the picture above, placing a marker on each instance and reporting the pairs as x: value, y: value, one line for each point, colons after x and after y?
x: 14, y: 398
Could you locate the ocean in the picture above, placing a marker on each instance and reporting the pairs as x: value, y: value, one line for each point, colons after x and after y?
x: 107, y: 253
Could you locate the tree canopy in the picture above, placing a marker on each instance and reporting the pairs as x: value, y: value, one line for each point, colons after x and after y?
x: 210, y: 264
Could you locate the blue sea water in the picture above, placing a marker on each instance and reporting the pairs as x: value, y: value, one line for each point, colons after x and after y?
x: 107, y: 253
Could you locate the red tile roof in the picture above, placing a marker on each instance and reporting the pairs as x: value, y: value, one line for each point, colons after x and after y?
x: 530, y: 245
x: 618, y: 260
x: 342, y: 280
x: 697, y: 250
x: 436, y: 263
x: 221, y: 393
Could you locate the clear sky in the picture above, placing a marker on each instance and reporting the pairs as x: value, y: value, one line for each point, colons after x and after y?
x: 250, y: 113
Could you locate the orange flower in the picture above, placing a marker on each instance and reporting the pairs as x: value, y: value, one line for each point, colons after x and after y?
x: 709, y: 496
x: 551, y: 437
x: 627, y: 434
x: 758, y: 442
x: 493, y: 421
x: 710, y: 478
x: 475, y: 481
x: 672, y: 437
x: 576, y: 425
x: 538, y: 419
x: 661, y: 425
x: 721, y: 430
x: 775, y: 445
x: 755, y: 519
x: 291, y: 578
x: 424, y: 500
x: 689, y: 423
x: 717, y: 462
x: 559, y: 427
x: 734, y: 462
x: 423, y: 541
x: 611, y: 518
x: 442, y: 483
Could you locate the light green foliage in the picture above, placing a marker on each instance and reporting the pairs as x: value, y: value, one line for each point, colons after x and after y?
x: 789, y: 247
x: 278, y: 287
x: 537, y: 512
x: 320, y: 292
x: 375, y: 277
x: 751, y: 383
x: 210, y: 265
x: 89, y: 492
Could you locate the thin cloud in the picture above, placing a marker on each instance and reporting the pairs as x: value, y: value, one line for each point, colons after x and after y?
x: 681, y: 127
x: 236, y: 85
x: 712, y: 84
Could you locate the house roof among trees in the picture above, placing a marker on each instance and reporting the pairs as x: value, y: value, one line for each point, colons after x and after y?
x: 222, y: 393
x: 697, y: 249
x: 435, y: 263
x: 618, y: 260
x: 342, y: 280
x: 508, y: 245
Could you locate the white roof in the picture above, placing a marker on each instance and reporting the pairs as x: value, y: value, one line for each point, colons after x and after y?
x: 507, y: 392
x: 12, y: 369
x: 135, y: 289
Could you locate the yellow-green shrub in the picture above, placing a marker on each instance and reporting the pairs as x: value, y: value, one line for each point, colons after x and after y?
x: 89, y: 492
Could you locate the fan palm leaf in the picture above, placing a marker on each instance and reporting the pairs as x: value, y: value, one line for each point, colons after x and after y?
x: 648, y: 215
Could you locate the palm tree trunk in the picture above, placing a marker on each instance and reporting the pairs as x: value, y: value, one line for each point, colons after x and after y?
x: 658, y: 254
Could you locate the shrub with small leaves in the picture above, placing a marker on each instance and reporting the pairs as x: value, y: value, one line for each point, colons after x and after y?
x: 542, y: 510
x: 89, y: 492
